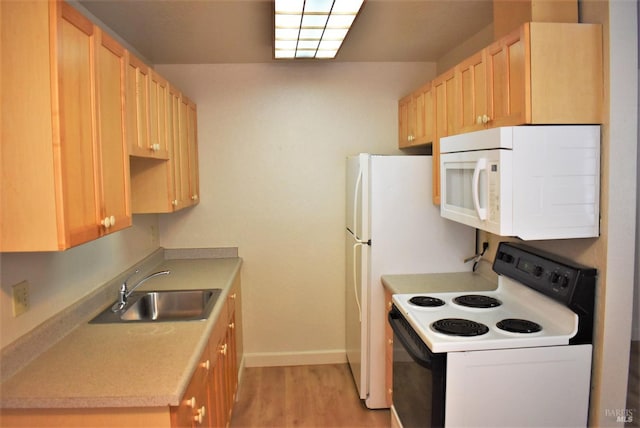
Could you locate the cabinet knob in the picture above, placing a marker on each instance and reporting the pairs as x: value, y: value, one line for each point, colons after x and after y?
x: 485, y: 119
x: 479, y: 120
x: 232, y: 325
x: 223, y: 349
x: 191, y: 402
x: 200, y: 413
x: 194, y: 197
x: 233, y: 296
x: 174, y: 202
x: 107, y: 222
x: 206, y: 365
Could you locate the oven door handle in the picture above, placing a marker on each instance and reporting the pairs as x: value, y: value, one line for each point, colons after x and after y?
x: 420, y: 354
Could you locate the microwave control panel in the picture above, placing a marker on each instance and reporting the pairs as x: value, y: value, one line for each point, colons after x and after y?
x: 493, y: 172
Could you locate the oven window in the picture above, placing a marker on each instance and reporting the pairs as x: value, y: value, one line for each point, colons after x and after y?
x: 418, y: 377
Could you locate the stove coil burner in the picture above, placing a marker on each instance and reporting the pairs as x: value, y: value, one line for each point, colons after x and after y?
x: 515, y: 325
x: 477, y: 301
x: 459, y: 327
x: 426, y: 301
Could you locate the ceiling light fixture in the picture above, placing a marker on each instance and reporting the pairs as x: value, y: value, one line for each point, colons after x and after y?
x: 312, y: 28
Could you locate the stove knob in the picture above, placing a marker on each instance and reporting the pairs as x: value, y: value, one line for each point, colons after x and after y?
x: 538, y: 271
x: 565, y: 281
x: 555, y: 278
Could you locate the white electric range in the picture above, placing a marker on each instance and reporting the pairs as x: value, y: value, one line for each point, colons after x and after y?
x: 478, y: 356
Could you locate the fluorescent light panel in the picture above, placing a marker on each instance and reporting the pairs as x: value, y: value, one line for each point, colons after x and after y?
x: 312, y: 28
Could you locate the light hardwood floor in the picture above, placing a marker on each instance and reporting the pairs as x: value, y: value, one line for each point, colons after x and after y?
x: 302, y: 396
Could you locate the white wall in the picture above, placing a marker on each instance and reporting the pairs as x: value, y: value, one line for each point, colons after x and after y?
x: 272, y: 143
x: 617, y: 306
x: 59, y: 279
x: 635, y: 333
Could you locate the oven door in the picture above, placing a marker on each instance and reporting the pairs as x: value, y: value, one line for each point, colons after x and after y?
x: 476, y: 189
x: 418, y: 377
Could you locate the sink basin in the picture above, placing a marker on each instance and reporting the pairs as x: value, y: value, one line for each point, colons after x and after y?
x: 166, y: 305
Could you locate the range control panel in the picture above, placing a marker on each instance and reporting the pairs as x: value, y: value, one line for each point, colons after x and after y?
x: 549, y: 274
x: 563, y: 280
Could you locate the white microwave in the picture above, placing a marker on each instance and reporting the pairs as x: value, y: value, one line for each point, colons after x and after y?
x: 533, y: 182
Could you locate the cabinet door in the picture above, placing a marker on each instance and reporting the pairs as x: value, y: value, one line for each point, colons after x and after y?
x: 508, y: 69
x: 471, y: 81
x: 219, y: 400
x: 173, y: 135
x: 406, y: 121
x: 137, y: 108
x: 183, y: 194
x: 116, y: 209
x: 444, y: 93
x: 158, y: 96
x: 178, y: 148
x: 194, y: 409
x: 77, y: 133
x: 192, y: 147
x: 235, y: 312
x: 423, y: 105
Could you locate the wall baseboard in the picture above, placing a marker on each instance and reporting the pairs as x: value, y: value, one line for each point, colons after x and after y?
x: 275, y: 359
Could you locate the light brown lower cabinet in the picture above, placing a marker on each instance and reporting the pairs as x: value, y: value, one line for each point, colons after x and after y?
x: 207, y: 401
x: 195, y: 408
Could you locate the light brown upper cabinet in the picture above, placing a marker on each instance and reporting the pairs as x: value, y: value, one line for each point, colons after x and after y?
x: 546, y: 73
x: 65, y: 181
x: 406, y: 121
x: 472, y: 106
x: 541, y: 73
x: 415, y: 118
x: 163, y: 186
x: 144, y: 120
x: 158, y: 98
x: 192, y: 147
x: 111, y: 63
x: 444, y: 101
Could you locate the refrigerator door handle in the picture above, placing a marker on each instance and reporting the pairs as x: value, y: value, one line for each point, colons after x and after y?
x: 355, y: 204
x: 355, y: 278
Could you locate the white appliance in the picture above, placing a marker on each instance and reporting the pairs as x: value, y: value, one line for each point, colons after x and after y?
x: 534, y: 182
x: 516, y: 356
x: 391, y: 228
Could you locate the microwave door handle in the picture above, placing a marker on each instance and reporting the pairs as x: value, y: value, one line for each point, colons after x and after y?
x: 481, y: 164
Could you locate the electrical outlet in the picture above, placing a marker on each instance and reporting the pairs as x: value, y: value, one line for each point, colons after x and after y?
x: 20, y: 298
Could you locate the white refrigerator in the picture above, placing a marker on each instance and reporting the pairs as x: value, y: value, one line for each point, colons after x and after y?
x: 392, y: 227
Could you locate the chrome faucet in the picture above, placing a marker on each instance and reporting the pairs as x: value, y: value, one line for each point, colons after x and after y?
x: 124, y: 292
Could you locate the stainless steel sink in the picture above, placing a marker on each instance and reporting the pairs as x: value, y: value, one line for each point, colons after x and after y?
x: 166, y: 305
